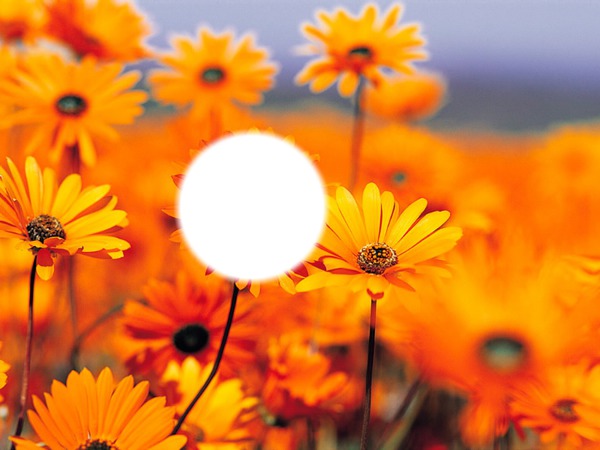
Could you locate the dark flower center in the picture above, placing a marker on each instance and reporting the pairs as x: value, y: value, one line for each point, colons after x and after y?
x: 375, y: 258
x: 212, y: 75
x: 97, y: 445
x: 44, y: 227
x: 563, y: 411
x: 191, y: 338
x: 503, y: 354
x: 399, y: 177
x: 361, y: 52
x: 71, y: 105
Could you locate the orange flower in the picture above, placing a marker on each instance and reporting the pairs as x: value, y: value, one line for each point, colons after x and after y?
x: 20, y: 19
x: 301, y: 383
x: 55, y: 220
x: 70, y: 103
x: 106, y: 29
x: 213, y: 71
x: 373, y: 247
x: 358, y: 47
x: 94, y: 414
x: 187, y: 318
x: 562, y: 405
x: 406, y: 98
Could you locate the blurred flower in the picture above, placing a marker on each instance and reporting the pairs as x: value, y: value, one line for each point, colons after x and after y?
x: 358, y: 46
x: 406, y: 98
x: 107, y: 29
x: 3, y: 377
x: 70, y: 103
x: 94, y: 414
x: 20, y: 19
x: 373, y: 247
x: 220, y: 418
x: 187, y: 318
x: 562, y: 404
x: 301, y: 383
x: 213, y: 71
x: 57, y: 220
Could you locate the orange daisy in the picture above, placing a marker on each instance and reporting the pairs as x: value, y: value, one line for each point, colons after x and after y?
x: 213, y: 71
x: 354, y: 47
x: 562, y: 405
x: 70, y: 103
x: 107, y: 29
x: 186, y: 318
x: 95, y: 414
x: 406, y: 98
x: 373, y: 247
x: 55, y: 220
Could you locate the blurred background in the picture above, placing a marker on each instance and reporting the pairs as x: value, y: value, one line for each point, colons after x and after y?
x: 511, y: 65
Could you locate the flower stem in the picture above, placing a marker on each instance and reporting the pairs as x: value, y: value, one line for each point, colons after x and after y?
x: 76, y: 348
x: 311, y: 442
x: 358, y: 126
x: 369, y: 377
x: 28, y: 351
x: 215, y: 368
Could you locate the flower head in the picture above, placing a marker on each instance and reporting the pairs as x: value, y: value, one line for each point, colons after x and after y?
x: 562, y: 404
x: 94, y: 414
x: 352, y: 47
x: 221, y: 416
x: 213, y: 71
x: 107, y: 29
x: 186, y: 318
x: 70, y: 103
x: 373, y: 247
x: 55, y: 220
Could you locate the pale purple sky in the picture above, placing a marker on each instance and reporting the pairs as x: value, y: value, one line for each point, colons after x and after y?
x: 511, y: 45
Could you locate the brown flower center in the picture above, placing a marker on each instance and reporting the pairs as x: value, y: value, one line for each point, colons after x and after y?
x: 191, y: 338
x: 44, y: 227
x: 97, y: 445
x: 503, y: 354
x: 71, y: 105
x: 563, y: 411
x: 212, y: 75
x: 360, y: 52
x: 375, y: 258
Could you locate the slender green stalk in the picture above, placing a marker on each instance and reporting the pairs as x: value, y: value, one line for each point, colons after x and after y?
x: 215, y: 368
x: 78, y: 341
x: 28, y: 352
x: 358, y: 125
x: 364, y: 436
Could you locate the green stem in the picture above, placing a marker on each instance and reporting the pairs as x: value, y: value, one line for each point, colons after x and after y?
x: 358, y: 125
x: 28, y: 352
x: 364, y: 436
x: 215, y: 367
x: 78, y: 341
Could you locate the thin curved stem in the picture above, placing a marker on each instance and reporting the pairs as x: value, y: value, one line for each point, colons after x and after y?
x: 78, y: 341
x: 28, y: 352
x: 358, y: 125
x: 215, y: 367
x: 364, y: 435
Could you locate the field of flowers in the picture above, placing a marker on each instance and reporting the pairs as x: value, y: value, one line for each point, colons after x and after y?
x: 451, y: 302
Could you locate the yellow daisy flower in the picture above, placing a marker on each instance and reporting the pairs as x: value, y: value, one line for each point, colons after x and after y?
x: 52, y: 220
x: 213, y: 71
x: 373, y: 247
x: 107, y: 29
x: 90, y: 414
x: 221, y: 418
x: 352, y: 47
x: 71, y: 103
